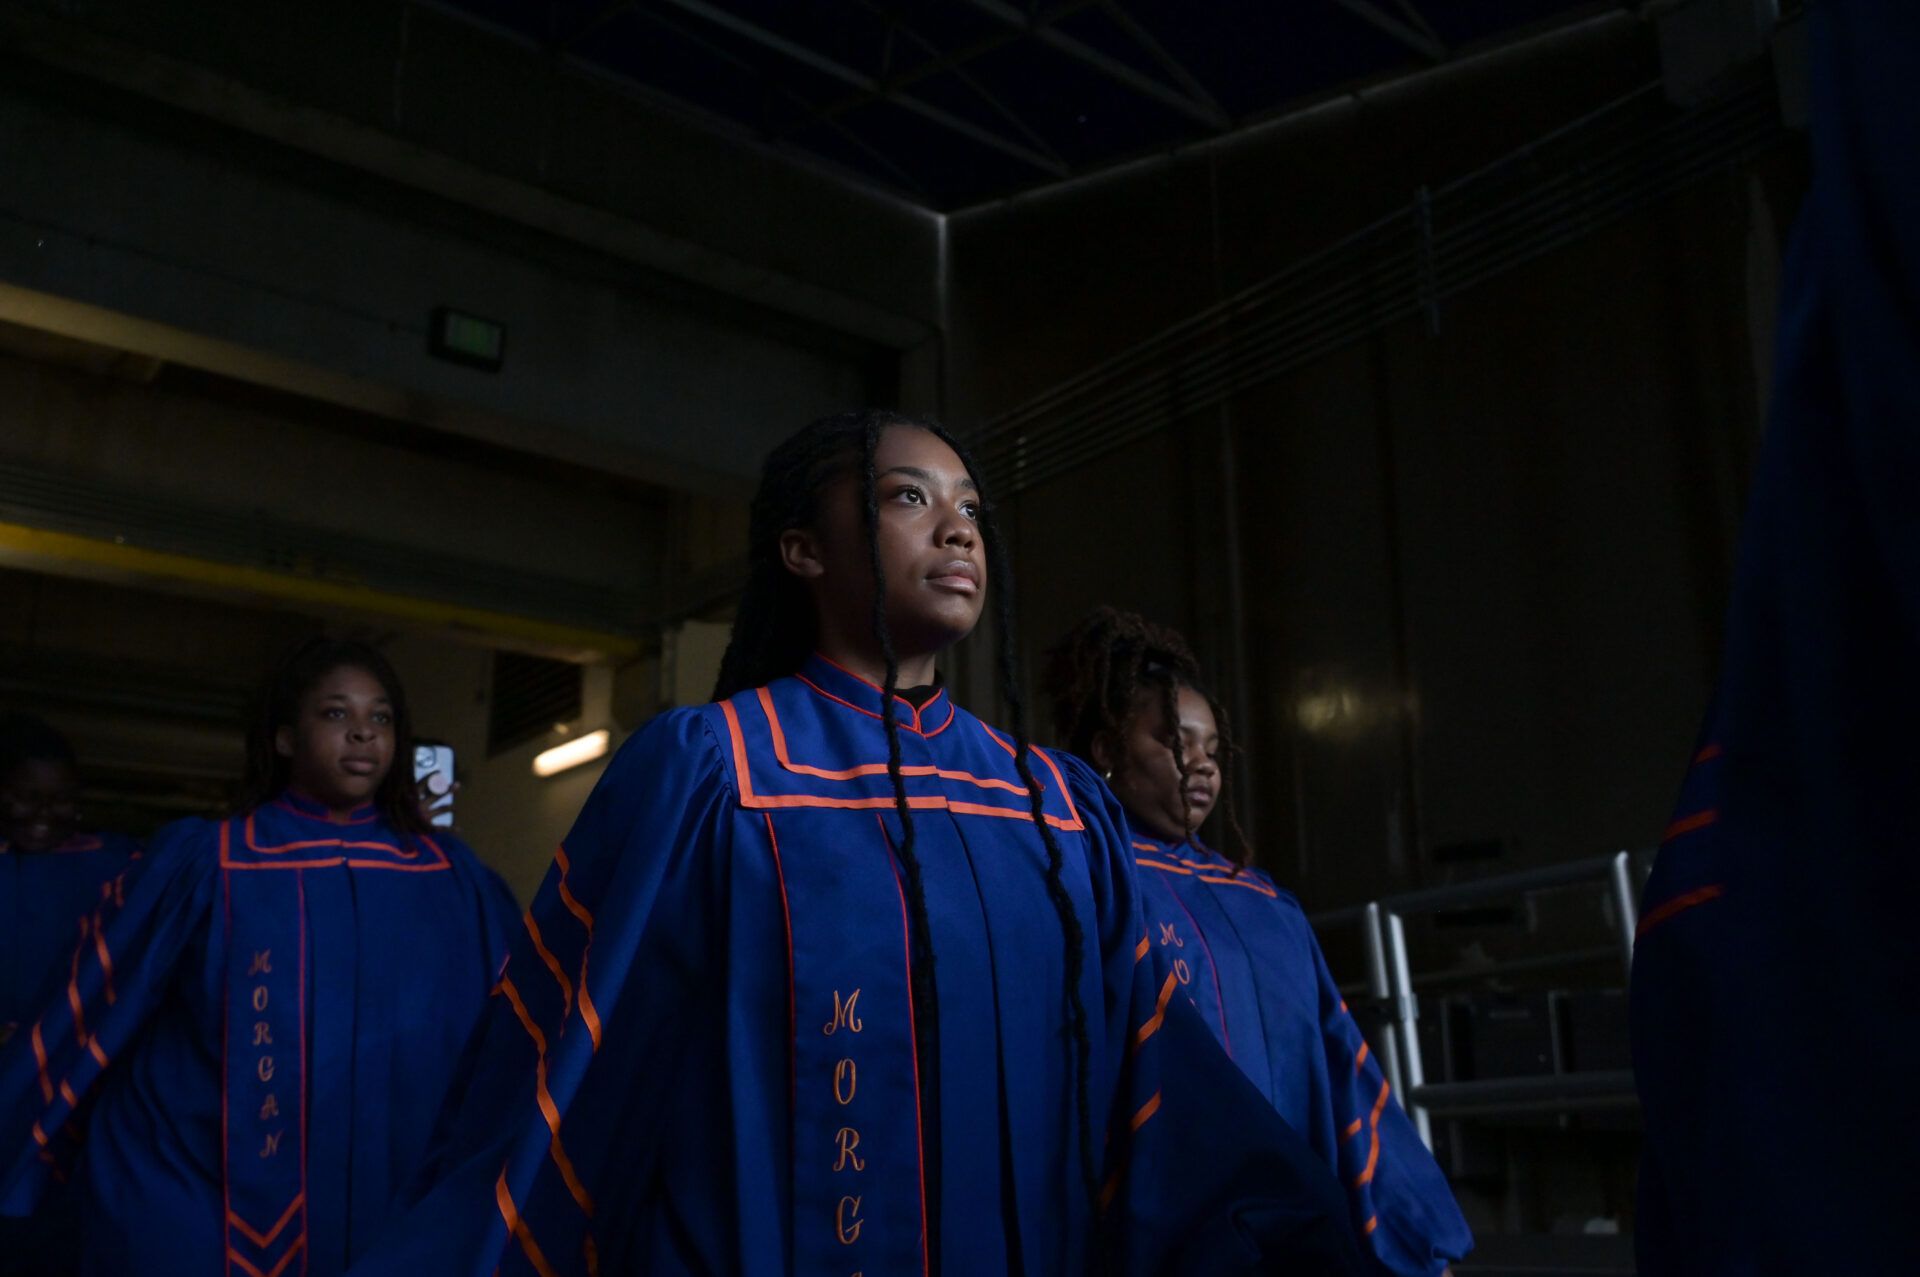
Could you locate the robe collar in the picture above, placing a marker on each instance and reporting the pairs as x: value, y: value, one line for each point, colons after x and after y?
x: 1182, y: 851
x: 300, y: 805
x: 840, y: 685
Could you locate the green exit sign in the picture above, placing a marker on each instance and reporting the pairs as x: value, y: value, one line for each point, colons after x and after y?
x: 466, y: 339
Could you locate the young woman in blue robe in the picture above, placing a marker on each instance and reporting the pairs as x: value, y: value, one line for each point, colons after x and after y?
x: 265, y: 1028
x: 831, y: 977
x: 1128, y: 697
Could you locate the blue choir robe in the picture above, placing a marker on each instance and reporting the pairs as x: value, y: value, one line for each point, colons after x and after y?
x: 43, y: 897
x: 1245, y: 956
x: 45, y: 900
x: 1776, y: 983
x: 264, y: 1032
x: 702, y: 1056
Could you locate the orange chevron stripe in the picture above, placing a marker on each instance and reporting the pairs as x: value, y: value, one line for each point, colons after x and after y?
x: 266, y: 1240
x: 299, y: 1245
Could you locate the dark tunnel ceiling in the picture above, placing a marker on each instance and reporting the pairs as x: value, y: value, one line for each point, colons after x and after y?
x: 955, y: 102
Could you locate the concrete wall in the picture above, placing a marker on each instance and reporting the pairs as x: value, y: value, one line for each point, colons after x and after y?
x: 211, y: 258
x: 386, y: 485
x: 1483, y: 570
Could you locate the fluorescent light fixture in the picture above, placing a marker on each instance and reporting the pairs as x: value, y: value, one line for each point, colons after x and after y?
x: 582, y: 749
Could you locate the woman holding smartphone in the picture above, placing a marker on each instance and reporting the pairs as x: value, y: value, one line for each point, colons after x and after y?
x: 266, y: 1027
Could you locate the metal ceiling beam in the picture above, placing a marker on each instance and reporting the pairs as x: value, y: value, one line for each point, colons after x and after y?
x: 895, y: 23
x: 1421, y: 42
x: 1146, y: 40
x: 900, y: 175
x: 832, y: 69
x: 1112, y: 68
x: 947, y: 62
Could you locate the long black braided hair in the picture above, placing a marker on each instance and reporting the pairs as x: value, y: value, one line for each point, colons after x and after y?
x: 1098, y: 679
x: 774, y: 632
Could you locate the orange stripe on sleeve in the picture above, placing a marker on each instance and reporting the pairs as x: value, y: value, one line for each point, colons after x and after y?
x: 548, y: 1108
x: 1679, y: 904
x: 1140, y: 950
x: 100, y: 951
x: 1687, y: 824
x: 588, y: 1012
x: 1353, y: 1128
x: 73, y: 987
x: 552, y: 964
x: 518, y: 1229
x: 574, y: 907
x: 40, y: 1058
x: 1373, y: 1222
x: 1360, y: 1057
x: 1159, y: 1016
x: 1147, y: 1110
x: 1373, y: 1128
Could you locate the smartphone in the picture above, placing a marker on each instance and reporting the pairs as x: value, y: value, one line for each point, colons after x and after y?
x: 433, y: 770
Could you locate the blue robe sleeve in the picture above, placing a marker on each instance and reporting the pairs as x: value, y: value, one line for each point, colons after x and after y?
x: 1203, y: 1176
x: 547, y: 1099
x: 117, y: 978
x: 1401, y: 1202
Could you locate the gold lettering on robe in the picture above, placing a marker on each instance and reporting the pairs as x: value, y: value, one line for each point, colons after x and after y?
x: 849, y: 1140
x: 847, y: 1221
x: 843, y: 1014
x: 262, y: 963
x: 271, y: 1109
x: 262, y: 1033
x: 272, y: 1146
x: 1169, y: 936
x: 259, y: 997
x: 1182, y: 971
x: 846, y: 1080
x: 264, y: 1070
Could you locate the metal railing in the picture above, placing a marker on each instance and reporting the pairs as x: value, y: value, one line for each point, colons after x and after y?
x: 1390, y: 983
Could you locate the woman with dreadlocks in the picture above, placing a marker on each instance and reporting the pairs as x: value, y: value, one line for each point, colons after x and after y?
x: 1128, y: 698
x: 830, y: 977
x: 264, y: 1013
